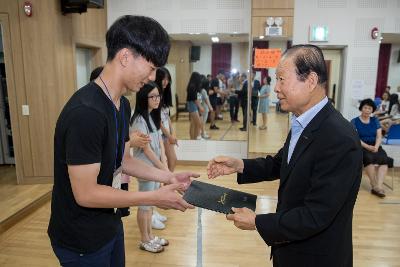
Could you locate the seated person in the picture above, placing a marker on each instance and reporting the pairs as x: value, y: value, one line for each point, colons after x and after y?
x: 394, y: 113
x: 370, y: 133
x: 383, y: 108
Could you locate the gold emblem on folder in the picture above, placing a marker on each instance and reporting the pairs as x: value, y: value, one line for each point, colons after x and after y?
x: 223, y: 198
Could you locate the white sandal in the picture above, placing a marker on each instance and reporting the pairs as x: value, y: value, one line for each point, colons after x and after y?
x: 160, y: 241
x: 151, y: 246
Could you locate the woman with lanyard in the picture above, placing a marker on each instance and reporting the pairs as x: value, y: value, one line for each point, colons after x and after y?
x: 147, y: 119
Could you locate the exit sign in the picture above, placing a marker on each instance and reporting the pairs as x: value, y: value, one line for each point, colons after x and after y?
x: 318, y: 33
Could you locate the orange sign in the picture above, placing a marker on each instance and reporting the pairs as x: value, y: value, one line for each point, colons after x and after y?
x: 266, y: 58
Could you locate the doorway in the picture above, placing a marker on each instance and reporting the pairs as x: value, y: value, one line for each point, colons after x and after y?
x: 6, y: 141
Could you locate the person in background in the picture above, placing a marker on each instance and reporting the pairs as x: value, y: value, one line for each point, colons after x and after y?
x: 233, y: 86
x: 205, y: 102
x: 383, y: 107
x: 147, y: 119
x: 243, y: 96
x: 263, y: 107
x: 193, y: 105
x: 255, y: 90
x: 375, y: 159
x: 163, y: 80
x: 393, y: 113
x: 212, y: 96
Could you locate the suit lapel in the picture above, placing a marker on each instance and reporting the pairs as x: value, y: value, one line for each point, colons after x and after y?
x: 305, y: 139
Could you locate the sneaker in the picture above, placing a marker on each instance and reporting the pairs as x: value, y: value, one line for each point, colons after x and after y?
x: 151, y: 246
x: 214, y: 127
x: 243, y: 129
x: 158, y: 216
x: 156, y: 224
x: 161, y: 241
x: 205, y: 136
x: 262, y: 127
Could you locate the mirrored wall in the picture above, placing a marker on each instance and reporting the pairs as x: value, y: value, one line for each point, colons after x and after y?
x: 222, y: 64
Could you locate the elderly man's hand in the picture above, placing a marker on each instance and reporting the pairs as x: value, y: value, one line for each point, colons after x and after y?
x: 243, y: 218
x: 222, y: 165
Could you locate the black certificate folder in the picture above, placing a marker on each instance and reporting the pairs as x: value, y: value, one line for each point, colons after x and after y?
x: 218, y: 198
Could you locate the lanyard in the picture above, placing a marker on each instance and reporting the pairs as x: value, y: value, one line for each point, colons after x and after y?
x: 116, y: 125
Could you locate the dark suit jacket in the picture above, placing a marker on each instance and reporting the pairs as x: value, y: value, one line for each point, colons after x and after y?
x: 312, y: 225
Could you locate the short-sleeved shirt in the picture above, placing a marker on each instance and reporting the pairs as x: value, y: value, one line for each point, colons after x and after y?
x: 204, y: 98
x: 140, y: 124
x: 165, y: 118
x: 367, y: 131
x: 85, y: 134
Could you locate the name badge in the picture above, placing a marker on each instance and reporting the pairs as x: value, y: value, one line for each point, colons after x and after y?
x: 116, y: 183
x: 117, y: 178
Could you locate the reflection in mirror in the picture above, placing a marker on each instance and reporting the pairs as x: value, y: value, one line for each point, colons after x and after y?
x: 391, y: 43
x: 209, y: 87
x: 268, y: 124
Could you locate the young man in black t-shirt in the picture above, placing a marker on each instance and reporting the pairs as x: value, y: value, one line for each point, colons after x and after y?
x: 91, y: 149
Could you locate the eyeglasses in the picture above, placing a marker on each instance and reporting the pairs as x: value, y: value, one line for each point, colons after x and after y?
x: 155, y: 97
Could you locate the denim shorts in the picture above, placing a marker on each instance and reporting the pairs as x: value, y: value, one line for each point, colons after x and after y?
x: 191, y: 106
x: 146, y: 186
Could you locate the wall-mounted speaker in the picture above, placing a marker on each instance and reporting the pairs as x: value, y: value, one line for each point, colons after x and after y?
x: 194, y: 53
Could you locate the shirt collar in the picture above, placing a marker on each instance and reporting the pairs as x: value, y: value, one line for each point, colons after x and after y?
x: 305, y: 118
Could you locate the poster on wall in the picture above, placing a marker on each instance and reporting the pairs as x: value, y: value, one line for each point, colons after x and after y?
x: 266, y: 58
x: 357, y: 89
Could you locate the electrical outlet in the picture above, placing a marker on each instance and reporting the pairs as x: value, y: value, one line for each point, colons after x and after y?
x: 25, y: 110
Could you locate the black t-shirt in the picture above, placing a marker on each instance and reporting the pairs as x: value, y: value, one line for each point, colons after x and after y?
x: 214, y: 83
x: 85, y: 134
x: 191, y: 94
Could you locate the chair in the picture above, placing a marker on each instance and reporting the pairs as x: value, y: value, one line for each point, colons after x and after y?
x: 180, y: 107
x: 393, y: 136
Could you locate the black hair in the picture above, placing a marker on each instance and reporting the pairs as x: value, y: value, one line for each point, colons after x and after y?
x: 166, y: 92
x: 367, y: 102
x: 393, y: 100
x: 205, y: 83
x: 308, y: 58
x: 142, y: 35
x: 95, y: 73
x: 142, y: 106
x: 268, y: 80
x: 194, y: 84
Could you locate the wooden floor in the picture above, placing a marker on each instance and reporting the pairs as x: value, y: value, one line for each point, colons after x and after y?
x: 13, y: 197
x: 376, y: 234
x: 260, y: 141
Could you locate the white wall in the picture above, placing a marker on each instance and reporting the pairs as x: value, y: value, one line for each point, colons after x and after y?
x: 203, y: 66
x: 188, y: 16
x: 394, y: 69
x: 350, y: 23
x: 271, y: 71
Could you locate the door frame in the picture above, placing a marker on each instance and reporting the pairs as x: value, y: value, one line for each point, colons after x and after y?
x: 12, y: 94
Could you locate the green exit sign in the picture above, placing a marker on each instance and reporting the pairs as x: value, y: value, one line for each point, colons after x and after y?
x: 318, y: 33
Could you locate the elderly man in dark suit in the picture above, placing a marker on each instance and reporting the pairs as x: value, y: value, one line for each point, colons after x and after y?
x: 319, y: 169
